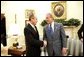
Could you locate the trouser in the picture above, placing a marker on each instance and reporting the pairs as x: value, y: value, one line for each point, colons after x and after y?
x: 3, y: 41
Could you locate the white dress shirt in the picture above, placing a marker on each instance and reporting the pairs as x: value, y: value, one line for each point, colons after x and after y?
x: 32, y: 26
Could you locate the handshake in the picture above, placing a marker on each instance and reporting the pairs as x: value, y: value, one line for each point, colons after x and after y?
x: 45, y: 43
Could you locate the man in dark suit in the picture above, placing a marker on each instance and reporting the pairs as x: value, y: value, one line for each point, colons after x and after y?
x: 80, y: 31
x: 3, y: 30
x: 55, y: 37
x: 32, y: 41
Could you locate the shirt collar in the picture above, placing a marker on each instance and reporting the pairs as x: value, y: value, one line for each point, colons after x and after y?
x: 52, y: 24
x: 31, y: 25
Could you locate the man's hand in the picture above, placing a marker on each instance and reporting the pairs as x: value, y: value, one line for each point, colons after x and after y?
x: 64, y: 51
x: 45, y: 43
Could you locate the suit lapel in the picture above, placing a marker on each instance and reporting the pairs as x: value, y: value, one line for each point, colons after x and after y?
x: 55, y: 26
x: 32, y: 29
x: 47, y: 31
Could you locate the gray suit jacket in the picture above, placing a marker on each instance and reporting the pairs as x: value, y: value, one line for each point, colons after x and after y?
x: 56, y: 41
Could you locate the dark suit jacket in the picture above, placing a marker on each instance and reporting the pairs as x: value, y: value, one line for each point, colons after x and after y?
x: 80, y: 32
x: 33, y: 43
x: 3, y: 32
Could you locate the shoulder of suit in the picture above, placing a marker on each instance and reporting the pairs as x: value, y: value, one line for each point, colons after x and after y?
x: 26, y: 27
x: 58, y: 23
x: 45, y: 26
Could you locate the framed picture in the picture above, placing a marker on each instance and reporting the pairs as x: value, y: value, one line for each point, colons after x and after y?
x: 28, y: 13
x: 59, y: 10
x: 26, y: 22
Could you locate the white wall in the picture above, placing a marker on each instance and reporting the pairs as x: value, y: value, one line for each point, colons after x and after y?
x: 10, y: 8
x: 75, y: 10
x: 19, y: 8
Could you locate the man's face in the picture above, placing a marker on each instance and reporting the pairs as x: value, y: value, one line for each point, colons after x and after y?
x: 49, y: 18
x: 34, y: 20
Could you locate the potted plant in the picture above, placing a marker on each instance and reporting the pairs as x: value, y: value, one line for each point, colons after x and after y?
x: 70, y: 22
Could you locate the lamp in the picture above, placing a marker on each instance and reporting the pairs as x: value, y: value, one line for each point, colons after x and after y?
x: 14, y: 31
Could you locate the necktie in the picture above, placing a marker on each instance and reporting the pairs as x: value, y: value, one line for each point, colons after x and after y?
x: 51, y: 30
x: 35, y: 28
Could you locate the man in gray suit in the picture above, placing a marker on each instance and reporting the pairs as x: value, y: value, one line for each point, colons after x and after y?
x: 54, y: 35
